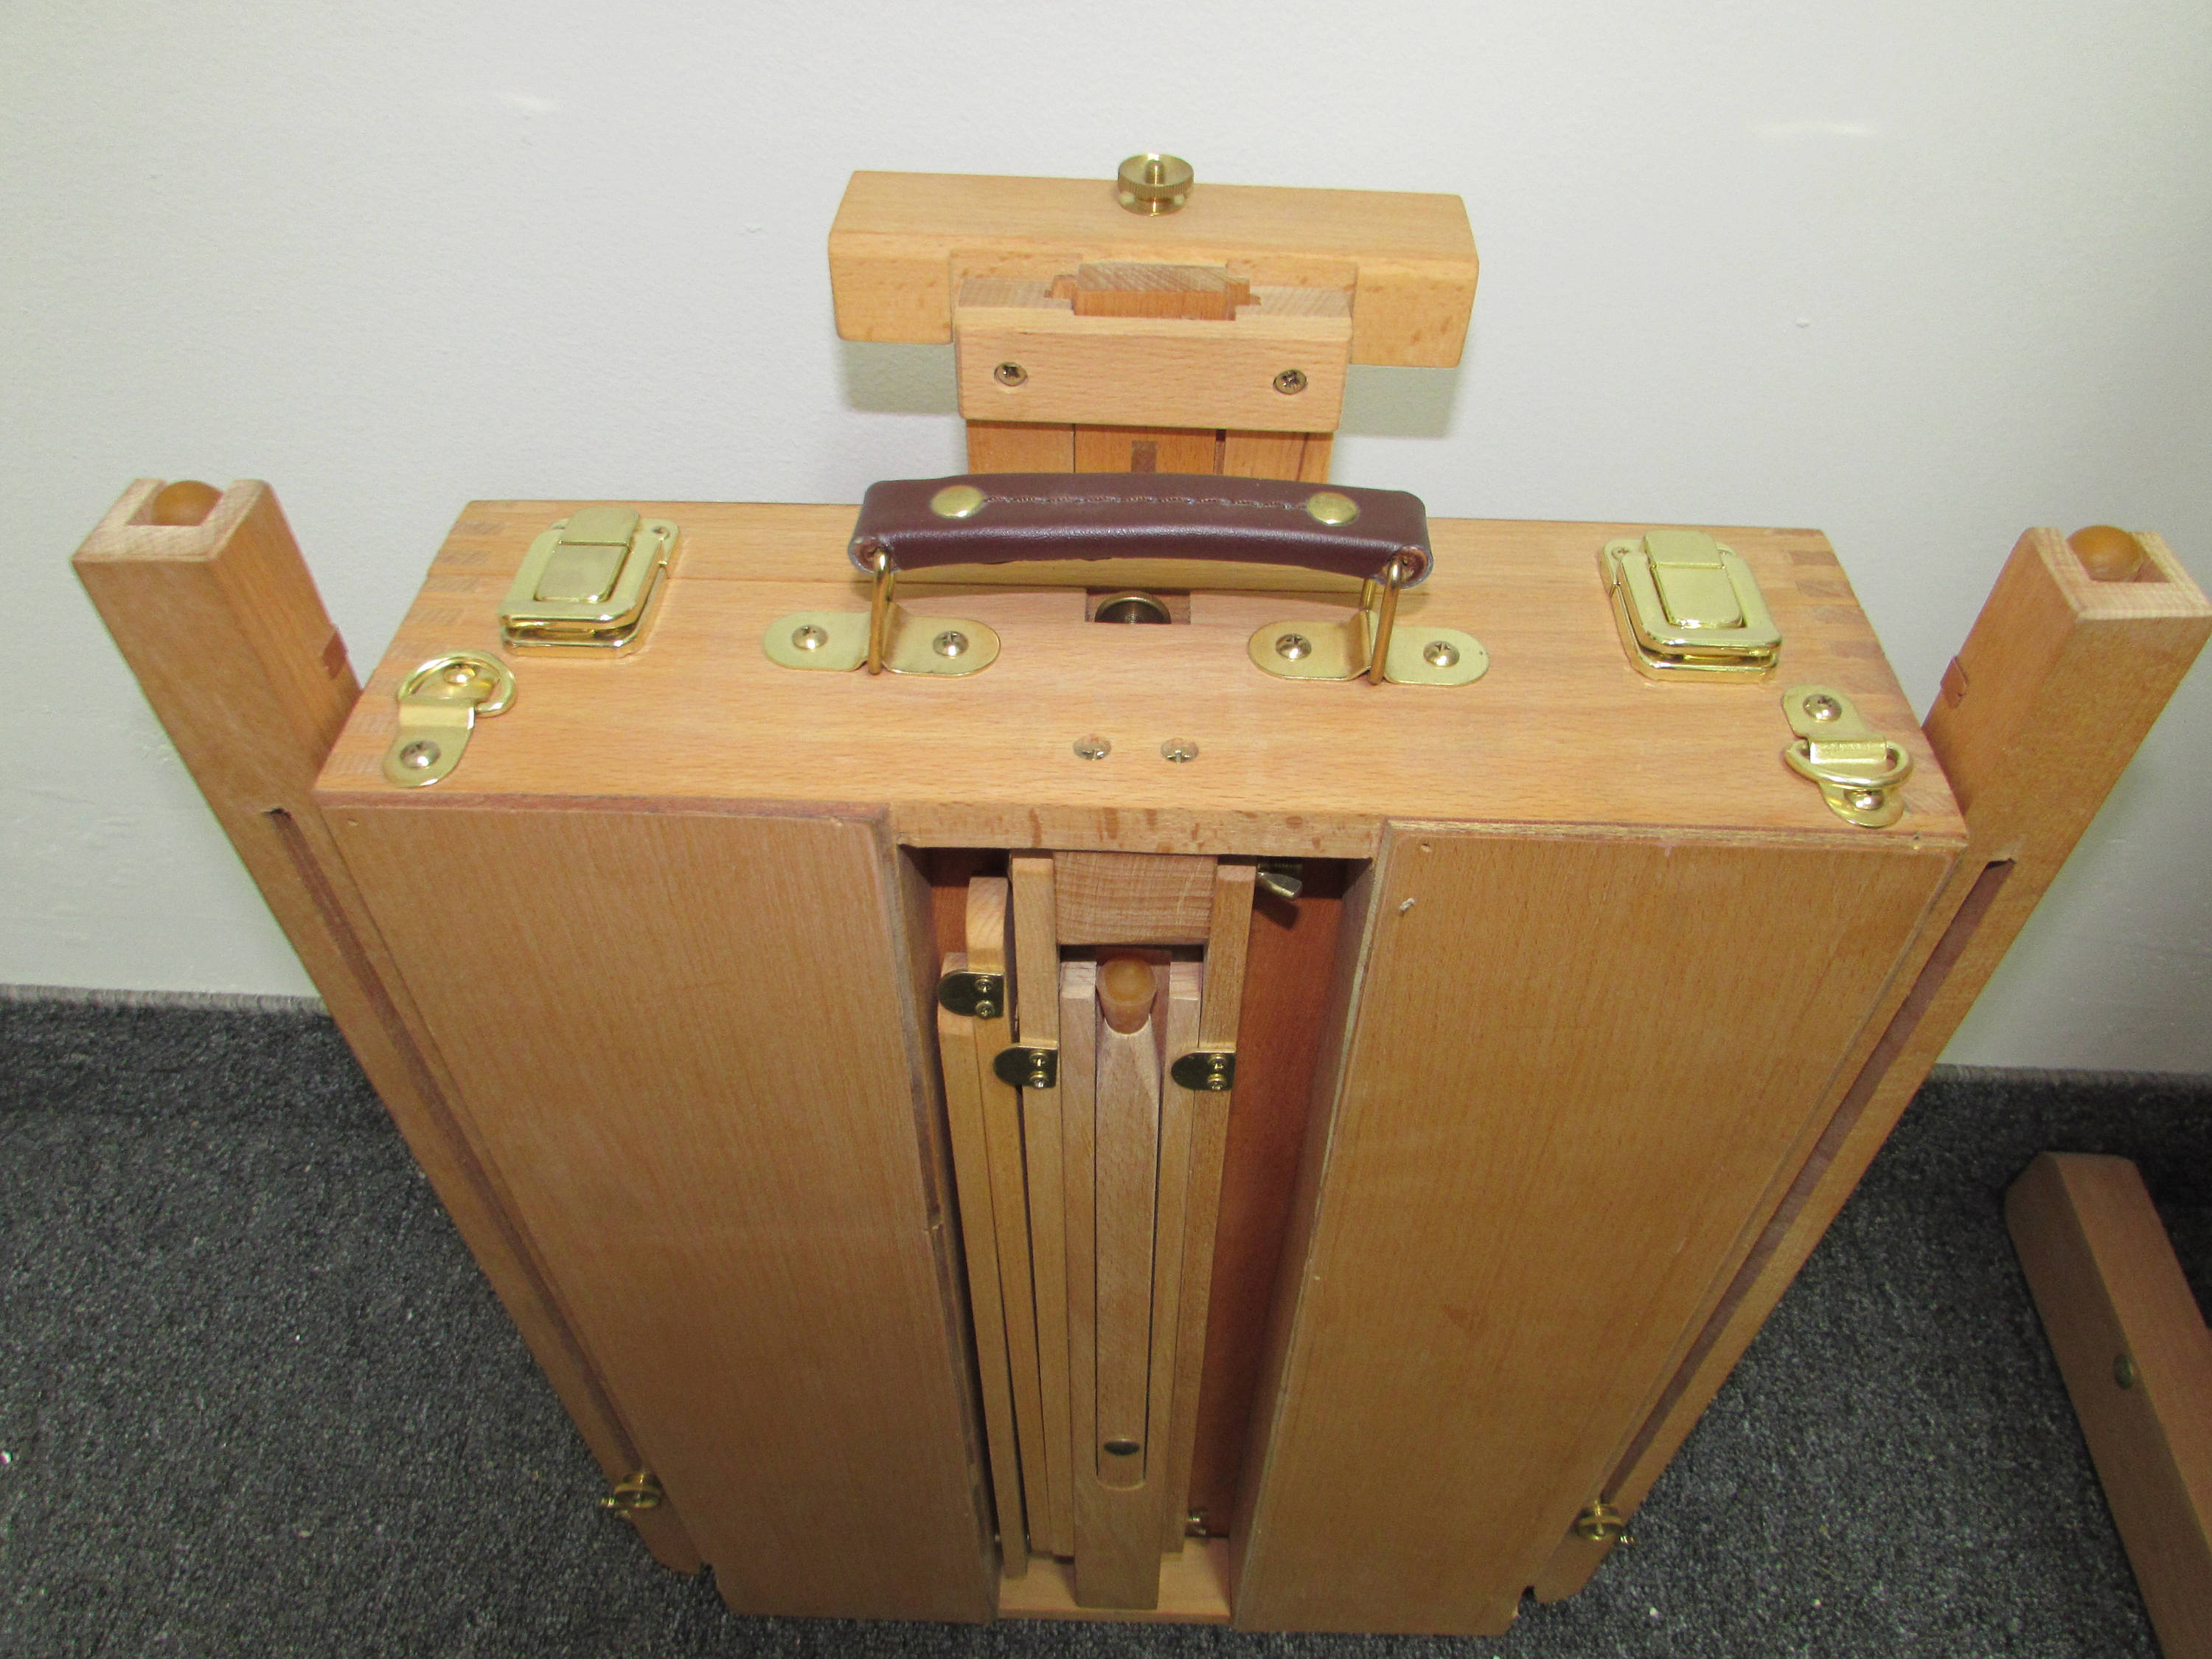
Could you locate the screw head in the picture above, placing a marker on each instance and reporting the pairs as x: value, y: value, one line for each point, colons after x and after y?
x: 1291, y: 382
x: 951, y: 643
x: 1440, y: 654
x: 1866, y: 800
x: 420, y: 755
x: 1293, y: 646
x: 1093, y: 747
x: 810, y: 638
x: 1179, y: 748
x: 2124, y: 1371
x: 963, y: 501
x: 1822, y: 706
x: 1010, y: 375
x: 459, y: 674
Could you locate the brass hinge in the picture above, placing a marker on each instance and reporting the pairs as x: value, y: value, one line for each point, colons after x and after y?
x: 641, y: 1490
x: 1028, y: 1068
x: 1206, y: 1071
x: 979, y: 996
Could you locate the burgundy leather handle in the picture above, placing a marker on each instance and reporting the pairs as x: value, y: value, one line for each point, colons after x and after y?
x: 1000, y: 518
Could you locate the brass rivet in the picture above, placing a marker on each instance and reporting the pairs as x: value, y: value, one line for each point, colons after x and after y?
x: 1866, y: 800
x: 1093, y: 747
x: 1440, y: 654
x: 810, y: 638
x: 1291, y: 382
x: 957, y: 501
x: 1123, y: 1448
x: 420, y: 755
x: 2124, y: 1371
x: 1331, y: 507
x: 1179, y: 748
x: 1822, y: 706
x: 1010, y: 375
x: 459, y: 674
x: 951, y: 643
x: 1294, y: 646
x: 1152, y: 183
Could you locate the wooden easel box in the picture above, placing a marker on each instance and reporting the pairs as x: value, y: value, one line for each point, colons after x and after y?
x: 1561, y: 730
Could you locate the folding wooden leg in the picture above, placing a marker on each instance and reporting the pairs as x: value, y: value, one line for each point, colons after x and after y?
x: 2137, y: 1361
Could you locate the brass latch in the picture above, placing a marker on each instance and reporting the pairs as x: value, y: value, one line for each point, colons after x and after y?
x: 588, y: 580
x: 1859, y: 772
x: 1688, y: 606
x: 439, y: 703
x: 1027, y: 1067
x: 639, y: 1490
x: 1370, y: 640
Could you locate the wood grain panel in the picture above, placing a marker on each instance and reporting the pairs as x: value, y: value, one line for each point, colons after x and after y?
x: 1133, y: 898
x: 1544, y: 1147
x: 1020, y: 446
x: 697, y: 1069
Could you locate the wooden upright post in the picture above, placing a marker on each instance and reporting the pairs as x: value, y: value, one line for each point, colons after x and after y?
x: 213, y: 609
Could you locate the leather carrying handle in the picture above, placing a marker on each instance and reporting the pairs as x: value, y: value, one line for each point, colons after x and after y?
x: 1002, y: 518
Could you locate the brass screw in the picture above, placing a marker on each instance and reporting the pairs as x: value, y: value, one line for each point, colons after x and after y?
x: 950, y: 643
x: 985, y: 1009
x: 1179, y: 748
x: 1291, y: 382
x: 1866, y: 800
x: 1010, y: 375
x: 1822, y: 706
x: 2124, y: 1371
x: 1153, y: 183
x: 421, y: 755
x: 1093, y: 747
x: 1294, y: 646
x: 459, y: 674
x: 810, y: 638
x: 1440, y: 654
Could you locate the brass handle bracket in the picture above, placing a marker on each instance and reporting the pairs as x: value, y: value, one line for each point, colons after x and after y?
x: 1859, y: 772
x: 1372, y: 642
x: 888, y: 636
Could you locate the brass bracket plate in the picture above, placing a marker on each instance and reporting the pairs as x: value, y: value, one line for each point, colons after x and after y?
x: 1687, y: 606
x: 888, y: 636
x: 1206, y: 1071
x: 589, y: 581
x: 979, y: 996
x: 1370, y: 642
x: 1028, y: 1068
x: 439, y: 703
x: 1861, y: 773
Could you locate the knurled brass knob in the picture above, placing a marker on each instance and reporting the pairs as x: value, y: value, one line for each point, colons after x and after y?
x: 1153, y: 183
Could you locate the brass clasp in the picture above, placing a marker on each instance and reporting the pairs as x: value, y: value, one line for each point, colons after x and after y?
x: 589, y: 580
x: 1687, y: 605
x: 1859, y: 772
x: 439, y: 703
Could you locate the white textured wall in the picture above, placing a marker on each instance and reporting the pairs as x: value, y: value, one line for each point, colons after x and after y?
x: 1919, y: 275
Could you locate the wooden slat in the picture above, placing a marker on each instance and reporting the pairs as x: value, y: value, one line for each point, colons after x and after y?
x: 221, y: 622
x: 1170, y: 1235
x: 1133, y: 898
x: 1314, y: 459
x: 1151, y: 371
x: 964, y: 1109
x: 1145, y: 449
x: 1193, y: 1590
x: 2110, y: 1291
x: 710, y: 1112
x: 1215, y: 1027
x: 2055, y: 688
x: 1246, y: 454
x: 1015, y: 446
x: 989, y: 922
x: 1128, y: 1179
x: 1283, y: 768
x: 902, y: 243
x: 1036, y: 1023
x: 1543, y: 1149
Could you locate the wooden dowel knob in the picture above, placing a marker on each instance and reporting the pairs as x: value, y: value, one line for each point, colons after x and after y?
x: 2108, y: 553
x: 1126, y: 987
x: 185, y: 502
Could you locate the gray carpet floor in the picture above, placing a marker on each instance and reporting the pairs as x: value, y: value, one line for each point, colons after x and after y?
x: 255, y: 1398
